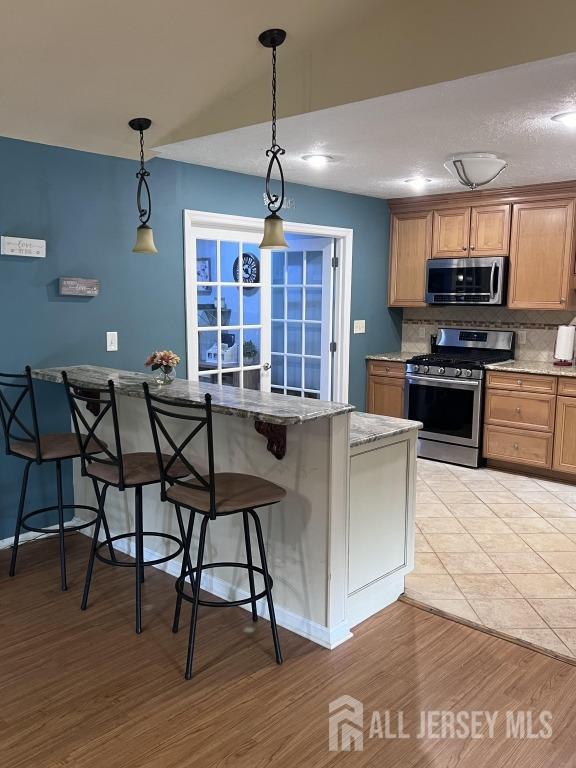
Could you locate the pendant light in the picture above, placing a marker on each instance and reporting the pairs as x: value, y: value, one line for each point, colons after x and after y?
x: 475, y: 169
x: 144, y: 234
x: 273, y: 224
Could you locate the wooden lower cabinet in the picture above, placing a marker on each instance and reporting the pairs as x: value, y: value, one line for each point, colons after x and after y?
x: 519, y: 446
x: 526, y: 423
x: 565, y: 435
x: 386, y: 396
x: 525, y: 411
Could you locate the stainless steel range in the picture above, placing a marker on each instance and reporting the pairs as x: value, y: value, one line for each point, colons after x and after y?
x: 445, y: 391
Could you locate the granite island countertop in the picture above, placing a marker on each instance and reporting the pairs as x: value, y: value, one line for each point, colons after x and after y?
x: 246, y: 403
x: 369, y: 427
x: 533, y: 366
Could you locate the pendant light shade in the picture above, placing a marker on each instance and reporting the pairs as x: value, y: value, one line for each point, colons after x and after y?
x: 273, y: 224
x: 144, y: 234
x: 475, y: 169
x: 273, y: 233
x: 144, y: 240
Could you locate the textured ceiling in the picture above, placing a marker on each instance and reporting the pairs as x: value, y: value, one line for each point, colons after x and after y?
x: 73, y: 72
x: 380, y: 142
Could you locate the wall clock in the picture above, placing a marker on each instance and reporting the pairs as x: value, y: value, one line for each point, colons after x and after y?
x: 250, y: 269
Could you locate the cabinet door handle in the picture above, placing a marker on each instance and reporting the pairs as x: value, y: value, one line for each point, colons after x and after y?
x: 472, y: 247
x: 464, y: 247
x: 518, y: 410
x: 519, y: 382
x: 515, y: 446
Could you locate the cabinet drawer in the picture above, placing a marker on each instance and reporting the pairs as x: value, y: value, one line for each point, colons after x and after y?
x: 567, y: 386
x: 518, y: 445
x: 386, y: 368
x: 525, y: 410
x: 521, y: 382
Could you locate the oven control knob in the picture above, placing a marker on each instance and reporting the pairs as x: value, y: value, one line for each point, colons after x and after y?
x: 441, y: 370
x: 468, y: 373
x: 425, y: 368
x: 458, y: 372
x: 415, y: 368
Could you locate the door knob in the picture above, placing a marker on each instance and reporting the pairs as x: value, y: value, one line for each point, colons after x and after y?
x: 266, y: 367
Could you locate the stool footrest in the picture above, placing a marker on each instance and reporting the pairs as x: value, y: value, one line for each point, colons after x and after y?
x: 54, y: 508
x: 131, y: 535
x: 180, y: 585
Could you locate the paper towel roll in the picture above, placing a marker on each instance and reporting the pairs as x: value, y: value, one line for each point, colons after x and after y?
x: 565, y: 342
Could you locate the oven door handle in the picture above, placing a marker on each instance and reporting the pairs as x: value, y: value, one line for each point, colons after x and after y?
x: 441, y: 380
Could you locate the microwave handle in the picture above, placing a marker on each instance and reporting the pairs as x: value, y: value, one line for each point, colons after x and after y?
x: 492, y: 276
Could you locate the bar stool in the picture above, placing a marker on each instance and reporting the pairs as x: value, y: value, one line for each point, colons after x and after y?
x: 212, y: 495
x: 123, y: 471
x: 24, y: 441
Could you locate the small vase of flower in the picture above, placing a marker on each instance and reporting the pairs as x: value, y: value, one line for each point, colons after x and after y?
x: 163, y: 361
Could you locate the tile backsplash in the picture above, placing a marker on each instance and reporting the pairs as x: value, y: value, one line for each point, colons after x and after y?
x: 539, y: 327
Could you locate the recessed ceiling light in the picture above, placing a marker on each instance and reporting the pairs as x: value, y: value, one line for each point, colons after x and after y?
x: 318, y: 160
x: 417, y: 182
x: 566, y: 118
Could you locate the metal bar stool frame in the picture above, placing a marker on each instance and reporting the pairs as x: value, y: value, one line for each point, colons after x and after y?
x: 12, y: 418
x: 104, y: 401
x: 160, y: 408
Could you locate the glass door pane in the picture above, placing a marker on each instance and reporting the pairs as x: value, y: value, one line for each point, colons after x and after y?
x: 301, y: 302
x: 230, y: 326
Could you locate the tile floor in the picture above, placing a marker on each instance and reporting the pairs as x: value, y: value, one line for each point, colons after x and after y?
x: 498, y: 549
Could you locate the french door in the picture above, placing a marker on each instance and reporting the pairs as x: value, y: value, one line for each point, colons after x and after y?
x: 259, y: 319
x: 228, y: 309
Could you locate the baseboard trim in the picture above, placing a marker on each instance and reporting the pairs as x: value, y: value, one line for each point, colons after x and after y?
x: 27, y: 536
x: 326, y: 637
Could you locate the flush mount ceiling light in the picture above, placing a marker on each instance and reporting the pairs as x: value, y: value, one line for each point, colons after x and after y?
x: 417, y: 182
x: 317, y: 160
x: 144, y: 234
x: 566, y: 118
x: 273, y: 224
x: 475, y: 169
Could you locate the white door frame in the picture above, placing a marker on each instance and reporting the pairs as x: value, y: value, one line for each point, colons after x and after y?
x: 343, y: 240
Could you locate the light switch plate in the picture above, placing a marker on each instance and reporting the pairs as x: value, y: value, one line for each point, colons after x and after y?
x: 111, y: 341
x: 359, y: 326
x: 521, y: 337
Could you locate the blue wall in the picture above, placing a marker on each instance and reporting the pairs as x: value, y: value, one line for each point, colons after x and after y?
x: 84, y: 206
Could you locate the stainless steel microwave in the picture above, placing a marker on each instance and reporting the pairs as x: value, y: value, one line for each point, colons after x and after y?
x: 467, y: 281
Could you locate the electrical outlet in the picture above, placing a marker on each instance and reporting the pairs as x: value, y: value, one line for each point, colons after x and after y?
x: 421, y: 332
x: 111, y: 341
x: 359, y: 326
x: 521, y: 337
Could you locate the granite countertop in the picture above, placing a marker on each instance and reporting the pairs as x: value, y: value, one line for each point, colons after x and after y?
x: 533, y: 366
x: 368, y: 427
x: 246, y: 403
x: 393, y: 357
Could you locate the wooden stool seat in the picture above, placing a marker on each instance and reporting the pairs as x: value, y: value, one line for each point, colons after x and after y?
x: 139, y: 469
x: 52, y: 447
x: 233, y: 492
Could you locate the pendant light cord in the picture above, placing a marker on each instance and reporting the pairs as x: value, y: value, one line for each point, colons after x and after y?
x: 275, y: 202
x: 143, y: 213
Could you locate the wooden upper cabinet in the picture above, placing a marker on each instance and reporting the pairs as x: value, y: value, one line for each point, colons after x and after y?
x: 490, y: 230
x: 451, y: 233
x: 541, y: 255
x: 410, y: 245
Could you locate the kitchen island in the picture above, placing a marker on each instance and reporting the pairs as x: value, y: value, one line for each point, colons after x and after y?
x: 340, y: 543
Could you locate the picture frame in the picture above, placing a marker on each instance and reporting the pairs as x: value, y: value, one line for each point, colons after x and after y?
x: 203, y: 275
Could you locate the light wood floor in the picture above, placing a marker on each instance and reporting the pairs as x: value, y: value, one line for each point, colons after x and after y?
x: 81, y: 689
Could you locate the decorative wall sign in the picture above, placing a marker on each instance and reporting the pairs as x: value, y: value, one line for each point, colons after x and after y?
x: 78, y: 286
x: 23, y: 246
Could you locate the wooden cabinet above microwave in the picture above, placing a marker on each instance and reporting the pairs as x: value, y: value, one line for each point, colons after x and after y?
x: 534, y: 225
x: 471, y: 231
